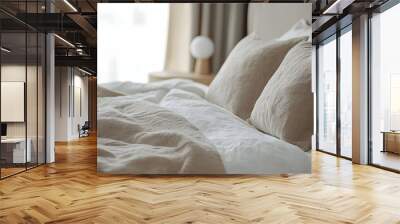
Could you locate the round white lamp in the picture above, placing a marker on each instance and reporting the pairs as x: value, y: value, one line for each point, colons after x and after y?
x: 202, y: 49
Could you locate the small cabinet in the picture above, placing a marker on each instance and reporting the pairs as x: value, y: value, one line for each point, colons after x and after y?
x: 391, y: 142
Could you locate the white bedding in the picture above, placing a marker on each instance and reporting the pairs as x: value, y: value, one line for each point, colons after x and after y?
x: 168, y: 127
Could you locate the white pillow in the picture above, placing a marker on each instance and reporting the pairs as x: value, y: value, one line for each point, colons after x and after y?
x: 285, y: 107
x: 301, y: 29
x: 245, y: 73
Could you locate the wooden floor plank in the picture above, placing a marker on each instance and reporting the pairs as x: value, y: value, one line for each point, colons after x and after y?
x: 71, y: 191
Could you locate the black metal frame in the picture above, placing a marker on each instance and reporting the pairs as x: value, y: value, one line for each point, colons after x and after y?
x: 334, y: 37
x: 369, y: 91
x: 44, y: 80
x: 338, y: 98
x: 387, y: 5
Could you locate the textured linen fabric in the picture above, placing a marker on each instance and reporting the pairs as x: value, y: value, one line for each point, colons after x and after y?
x: 245, y: 73
x: 301, y: 29
x: 140, y: 137
x: 243, y: 148
x: 285, y: 107
x: 124, y: 121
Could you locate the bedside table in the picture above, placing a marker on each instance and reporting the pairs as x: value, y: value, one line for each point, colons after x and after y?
x: 164, y: 75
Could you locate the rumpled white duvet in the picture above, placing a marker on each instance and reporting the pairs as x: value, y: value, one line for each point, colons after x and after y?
x: 169, y: 127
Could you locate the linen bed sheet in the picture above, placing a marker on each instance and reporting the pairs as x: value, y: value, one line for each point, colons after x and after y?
x: 216, y: 141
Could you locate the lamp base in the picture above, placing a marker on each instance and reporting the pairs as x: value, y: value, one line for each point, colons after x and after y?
x: 202, y: 66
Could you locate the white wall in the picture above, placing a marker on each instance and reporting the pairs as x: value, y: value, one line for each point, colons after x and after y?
x: 17, y: 73
x: 69, y: 81
x: 62, y: 81
x: 14, y: 73
x: 80, y: 84
x: 34, y: 125
x: 271, y: 20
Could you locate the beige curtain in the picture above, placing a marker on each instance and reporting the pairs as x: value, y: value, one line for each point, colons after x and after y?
x: 179, y: 36
x: 224, y: 24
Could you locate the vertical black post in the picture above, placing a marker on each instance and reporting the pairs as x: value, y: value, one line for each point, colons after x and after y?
x: 369, y: 91
x: 69, y: 92
x: 1, y: 163
x: 37, y: 89
x: 317, y: 97
x: 45, y: 89
x: 73, y: 91
x: 26, y: 86
x: 338, y: 73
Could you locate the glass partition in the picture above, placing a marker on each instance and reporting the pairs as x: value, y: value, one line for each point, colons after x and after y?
x: 22, y: 78
x: 327, y: 96
x: 346, y: 93
x: 334, y: 104
x: 14, y: 153
x: 385, y: 89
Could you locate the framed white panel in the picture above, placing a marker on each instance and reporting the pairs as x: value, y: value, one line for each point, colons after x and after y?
x: 12, y: 101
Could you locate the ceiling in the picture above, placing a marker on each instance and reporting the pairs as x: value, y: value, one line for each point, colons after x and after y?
x: 76, y: 22
x: 332, y: 15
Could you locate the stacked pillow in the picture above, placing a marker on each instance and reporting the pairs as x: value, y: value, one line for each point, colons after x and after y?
x: 268, y: 83
x: 246, y: 71
x: 285, y: 107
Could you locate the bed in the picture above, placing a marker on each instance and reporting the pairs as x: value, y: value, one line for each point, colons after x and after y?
x: 170, y: 127
x: 227, y: 143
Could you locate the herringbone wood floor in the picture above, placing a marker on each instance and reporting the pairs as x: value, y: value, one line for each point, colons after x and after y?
x: 70, y: 191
